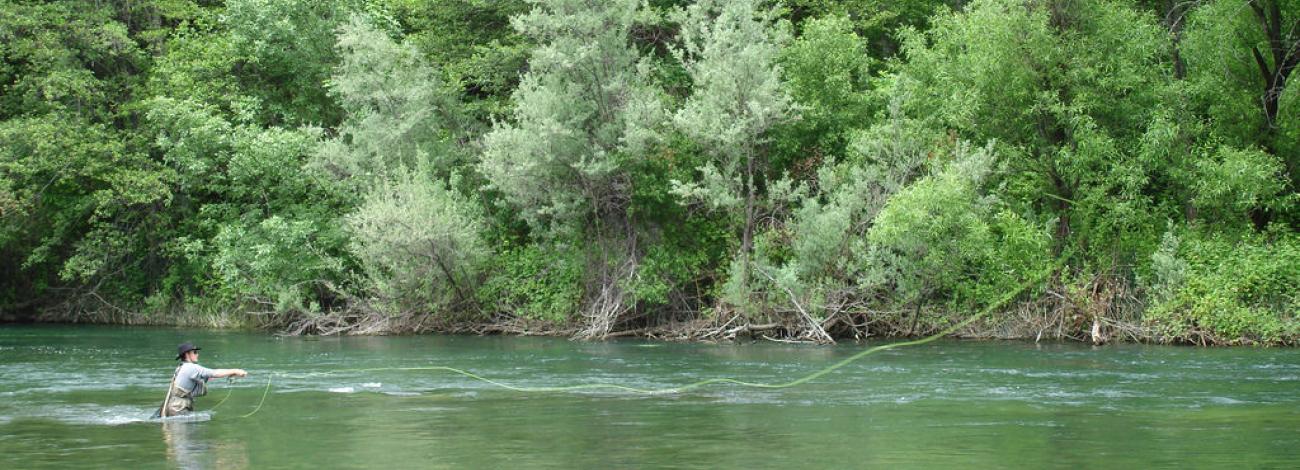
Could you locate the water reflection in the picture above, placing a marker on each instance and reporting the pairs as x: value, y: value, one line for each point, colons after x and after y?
x: 189, y: 447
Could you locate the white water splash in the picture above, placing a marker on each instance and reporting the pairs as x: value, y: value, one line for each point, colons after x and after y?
x: 1225, y: 401
x: 96, y: 415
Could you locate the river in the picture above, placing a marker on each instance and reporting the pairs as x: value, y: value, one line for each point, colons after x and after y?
x: 80, y: 396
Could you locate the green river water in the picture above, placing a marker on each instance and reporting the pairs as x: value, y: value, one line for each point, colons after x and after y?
x: 79, y: 397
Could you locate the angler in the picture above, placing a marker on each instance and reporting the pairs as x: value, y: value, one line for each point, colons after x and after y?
x: 190, y: 381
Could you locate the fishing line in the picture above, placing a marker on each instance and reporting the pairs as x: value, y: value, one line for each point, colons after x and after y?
x: 719, y: 380
x: 263, y: 401
x: 229, y: 391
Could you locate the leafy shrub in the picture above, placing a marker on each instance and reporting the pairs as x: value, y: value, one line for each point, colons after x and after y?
x: 1237, y: 288
x: 940, y: 239
x: 1234, y: 181
x: 931, y: 235
x: 536, y: 282
x: 279, y: 262
x: 418, y: 242
x: 827, y: 72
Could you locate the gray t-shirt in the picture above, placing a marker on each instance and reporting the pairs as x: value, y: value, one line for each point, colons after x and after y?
x: 193, y: 378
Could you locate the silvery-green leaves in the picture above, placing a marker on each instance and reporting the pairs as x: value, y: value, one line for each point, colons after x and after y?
x: 583, y: 114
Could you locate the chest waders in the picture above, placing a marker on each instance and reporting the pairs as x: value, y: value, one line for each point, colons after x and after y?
x: 178, y: 400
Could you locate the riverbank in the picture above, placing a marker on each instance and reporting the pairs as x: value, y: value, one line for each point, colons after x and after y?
x: 1038, y: 320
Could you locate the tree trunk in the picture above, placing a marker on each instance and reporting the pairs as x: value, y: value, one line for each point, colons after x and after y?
x: 1284, y: 50
x: 1175, y: 12
x: 916, y: 316
x: 451, y: 278
x: 747, y: 236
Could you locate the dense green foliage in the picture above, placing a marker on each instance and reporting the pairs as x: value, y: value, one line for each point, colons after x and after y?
x: 805, y: 168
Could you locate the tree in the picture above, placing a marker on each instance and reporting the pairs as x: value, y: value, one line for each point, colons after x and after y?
x: 933, y: 235
x: 418, y: 241
x: 1240, y: 55
x: 583, y: 115
x: 79, y: 195
x: 875, y: 20
x: 1066, y: 90
x: 400, y: 115
x: 827, y: 72
x: 731, y: 51
x: 81, y: 207
x: 827, y: 243
x: 472, y: 43
x: 286, y: 51
x: 251, y: 224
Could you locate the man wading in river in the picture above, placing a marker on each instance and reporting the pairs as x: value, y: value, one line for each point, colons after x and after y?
x: 191, y: 380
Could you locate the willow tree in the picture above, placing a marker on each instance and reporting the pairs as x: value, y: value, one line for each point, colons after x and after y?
x: 414, y: 237
x: 929, y: 233
x: 399, y: 113
x: 582, y: 119
x: 285, y: 52
x: 1241, y: 59
x: 827, y: 71
x: 77, y: 194
x: 828, y: 256
x: 1066, y: 89
x: 418, y: 242
x: 582, y: 116
x: 1249, y: 50
x: 731, y: 50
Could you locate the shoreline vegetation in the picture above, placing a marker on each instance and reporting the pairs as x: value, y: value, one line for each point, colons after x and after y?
x: 794, y: 171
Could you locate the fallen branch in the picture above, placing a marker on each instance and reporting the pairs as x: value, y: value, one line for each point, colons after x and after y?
x: 817, y: 328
